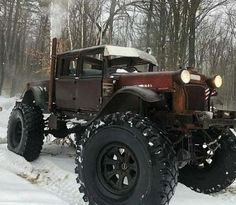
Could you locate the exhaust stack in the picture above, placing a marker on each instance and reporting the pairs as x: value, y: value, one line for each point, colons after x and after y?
x: 52, y: 75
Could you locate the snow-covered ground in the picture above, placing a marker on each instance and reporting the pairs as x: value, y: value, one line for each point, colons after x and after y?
x: 51, y: 178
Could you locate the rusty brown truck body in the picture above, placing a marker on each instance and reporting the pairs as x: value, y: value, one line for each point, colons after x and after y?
x: 142, y: 131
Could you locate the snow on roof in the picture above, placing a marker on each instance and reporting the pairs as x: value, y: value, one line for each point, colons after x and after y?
x: 129, y: 52
x: 109, y: 50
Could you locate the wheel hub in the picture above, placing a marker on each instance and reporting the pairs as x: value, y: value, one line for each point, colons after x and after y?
x: 117, y: 169
x: 124, y: 166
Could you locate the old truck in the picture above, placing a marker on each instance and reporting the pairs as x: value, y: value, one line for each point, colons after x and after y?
x: 143, y: 131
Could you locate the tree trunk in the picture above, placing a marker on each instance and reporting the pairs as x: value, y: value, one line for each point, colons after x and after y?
x: 162, y: 35
x: 184, y: 34
x: 194, y: 4
x: 149, y: 23
x: 192, y: 37
x: 2, y: 61
x: 111, y: 22
x: 14, y: 50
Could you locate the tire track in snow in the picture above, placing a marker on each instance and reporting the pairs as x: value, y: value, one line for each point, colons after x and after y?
x: 45, y: 174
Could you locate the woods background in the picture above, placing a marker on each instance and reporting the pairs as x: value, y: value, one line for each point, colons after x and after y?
x: 181, y: 33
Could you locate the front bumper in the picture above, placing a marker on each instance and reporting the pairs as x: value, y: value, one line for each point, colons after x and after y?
x: 201, y: 120
x: 220, y: 118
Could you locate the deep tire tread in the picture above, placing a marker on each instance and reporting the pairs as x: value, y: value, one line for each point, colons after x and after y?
x: 158, y: 146
x: 33, y: 131
x: 219, y: 182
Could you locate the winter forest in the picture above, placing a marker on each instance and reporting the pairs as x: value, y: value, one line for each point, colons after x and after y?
x: 180, y: 33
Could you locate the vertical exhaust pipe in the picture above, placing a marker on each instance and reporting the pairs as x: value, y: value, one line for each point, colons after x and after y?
x: 52, y: 75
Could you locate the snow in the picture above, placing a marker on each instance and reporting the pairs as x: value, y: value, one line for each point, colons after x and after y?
x: 51, y: 178
x: 7, y: 105
x: 17, y: 191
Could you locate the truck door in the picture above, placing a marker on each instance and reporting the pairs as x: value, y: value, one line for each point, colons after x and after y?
x: 89, y: 84
x: 66, y: 83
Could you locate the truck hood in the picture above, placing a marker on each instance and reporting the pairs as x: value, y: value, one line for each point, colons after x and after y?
x: 157, y: 80
x: 154, y: 80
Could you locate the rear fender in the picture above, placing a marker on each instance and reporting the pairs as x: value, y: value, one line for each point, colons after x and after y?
x: 37, y: 95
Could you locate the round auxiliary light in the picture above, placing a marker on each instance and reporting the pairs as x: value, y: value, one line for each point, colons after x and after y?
x: 217, y: 81
x: 185, y: 76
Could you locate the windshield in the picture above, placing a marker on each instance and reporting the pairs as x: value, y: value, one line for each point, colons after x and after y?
x: 127, y: 65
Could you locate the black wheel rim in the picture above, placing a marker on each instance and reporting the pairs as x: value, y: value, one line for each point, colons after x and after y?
x: 205, y: 158
x: 17, y: 133
x: 118, y: 169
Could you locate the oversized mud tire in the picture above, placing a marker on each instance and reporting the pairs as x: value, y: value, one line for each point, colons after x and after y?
x: 216, y: 176
x: 123, y: 159
x: 25, y: 131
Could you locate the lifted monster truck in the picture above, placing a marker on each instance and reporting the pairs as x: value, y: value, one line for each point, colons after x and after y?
x: 145, y: 131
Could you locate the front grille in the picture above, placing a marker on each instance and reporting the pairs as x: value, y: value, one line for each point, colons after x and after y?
x: 196, y: 97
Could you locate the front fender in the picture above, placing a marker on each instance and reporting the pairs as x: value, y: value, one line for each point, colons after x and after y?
x: 145, y: 94
x: 130, y: 98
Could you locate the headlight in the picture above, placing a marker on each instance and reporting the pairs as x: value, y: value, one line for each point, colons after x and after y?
x: 185, y: 76
x: 217, y: 81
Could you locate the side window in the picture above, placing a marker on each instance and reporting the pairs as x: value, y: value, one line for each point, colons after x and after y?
x: 69, y: 67
x: 72, y: 68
